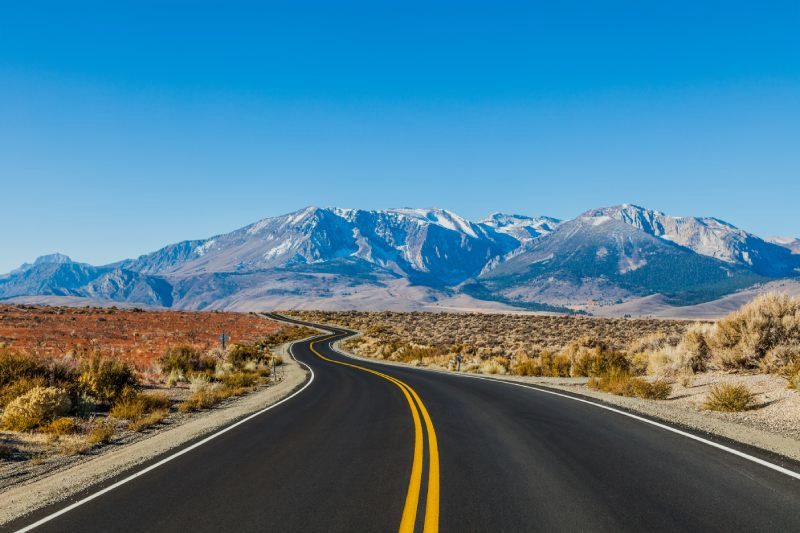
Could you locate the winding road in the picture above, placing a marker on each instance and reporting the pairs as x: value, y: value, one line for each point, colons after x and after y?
x: 370, y: 447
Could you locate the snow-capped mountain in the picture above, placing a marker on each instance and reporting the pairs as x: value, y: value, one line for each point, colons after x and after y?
x: 790, y: 243
x: 521, y: 227
x: 410, y: 258
x: 599, y: 258
x: 706, y: 236
x: 434, y: 244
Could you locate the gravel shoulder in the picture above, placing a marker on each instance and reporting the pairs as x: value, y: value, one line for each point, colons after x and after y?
x: 38, y: 485
x: 772, y: 425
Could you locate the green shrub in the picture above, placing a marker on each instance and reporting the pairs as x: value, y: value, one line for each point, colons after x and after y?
x: 36, y: 407
x: 730, y: 398
x: 107, y: 380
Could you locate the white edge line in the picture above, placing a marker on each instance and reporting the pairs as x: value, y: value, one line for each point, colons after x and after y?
x: 175, y: 455
x: 686, y: 434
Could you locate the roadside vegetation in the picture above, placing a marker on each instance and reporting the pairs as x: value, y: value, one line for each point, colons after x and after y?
x: 629, y: 357
x: 76, y: 401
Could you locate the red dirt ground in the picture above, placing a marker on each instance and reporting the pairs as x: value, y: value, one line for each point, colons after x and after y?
x: 139, y: 337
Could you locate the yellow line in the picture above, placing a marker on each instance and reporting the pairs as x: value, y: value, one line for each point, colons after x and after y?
x: 432, y: 502
x: 431, y: 524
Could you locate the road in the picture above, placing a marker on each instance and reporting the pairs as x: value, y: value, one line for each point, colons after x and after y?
x: 369, y: 447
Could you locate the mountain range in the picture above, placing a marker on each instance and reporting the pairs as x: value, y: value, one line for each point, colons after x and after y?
x: 429, y: 258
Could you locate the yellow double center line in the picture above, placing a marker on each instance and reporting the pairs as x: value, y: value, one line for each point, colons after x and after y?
x: 431, y: 523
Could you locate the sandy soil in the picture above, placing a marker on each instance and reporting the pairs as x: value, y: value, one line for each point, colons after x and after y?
x: 32, y: 486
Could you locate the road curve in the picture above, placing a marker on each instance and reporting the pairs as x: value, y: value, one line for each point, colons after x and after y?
x: 350, y: 451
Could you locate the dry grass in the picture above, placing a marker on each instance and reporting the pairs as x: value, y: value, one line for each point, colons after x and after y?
x: 61, y: 426
x: 627, y: 385
x: 138, y: 406
x: 101, y: 433
x: 149, y: 420
x: 522, y: 344
x: 729, y: 398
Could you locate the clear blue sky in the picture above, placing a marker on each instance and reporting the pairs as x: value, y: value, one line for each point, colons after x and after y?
x: 127, y: 127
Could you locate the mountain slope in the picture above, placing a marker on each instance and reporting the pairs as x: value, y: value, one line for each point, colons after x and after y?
x: 707, y: 236
x: 416, y: 258
x: 433, y: 246
x: 598, y: 257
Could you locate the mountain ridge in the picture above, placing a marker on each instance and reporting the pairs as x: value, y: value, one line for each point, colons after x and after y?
x: 416, y: 257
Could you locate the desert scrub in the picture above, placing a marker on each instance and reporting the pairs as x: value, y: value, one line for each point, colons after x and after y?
x: 36, y: 407
x: 185, y: 359
x: 744, y: 338
x: 139, y: 406
x: 106, y: 380
x: 588, y: 361
x: 148, y: 420
x: 240, y: 379
x: 204, y: 398
x: 729, y: 398
x: 626, y: 385
x: 101, y: 432
x: 60, y: 427
x: 21, y: 373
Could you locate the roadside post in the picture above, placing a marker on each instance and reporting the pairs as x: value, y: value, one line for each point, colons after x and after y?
x: 223, y: 339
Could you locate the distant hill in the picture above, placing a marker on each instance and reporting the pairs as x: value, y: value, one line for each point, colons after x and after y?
x: 428, y: 258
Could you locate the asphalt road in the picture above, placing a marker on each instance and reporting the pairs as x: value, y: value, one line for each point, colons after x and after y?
x: 369, y: 447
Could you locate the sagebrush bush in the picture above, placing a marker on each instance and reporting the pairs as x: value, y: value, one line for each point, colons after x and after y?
x: 745, y: 337
x: 185, y: 359
x: 695, y: 349
x: 240, y: 379
x: 107, y: 380
x: 729, y: 397
x: 21, y: 373
x: 139, y: 406
x: 36, y: 407
x: 241, y: 354
x: 101, y: 433
x: 627, y: 385
x: 202, y: 399
x: 589, y: 362
x: 61, y: 426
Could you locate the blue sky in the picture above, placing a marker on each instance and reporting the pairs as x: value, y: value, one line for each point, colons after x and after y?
x: 127, y: 127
